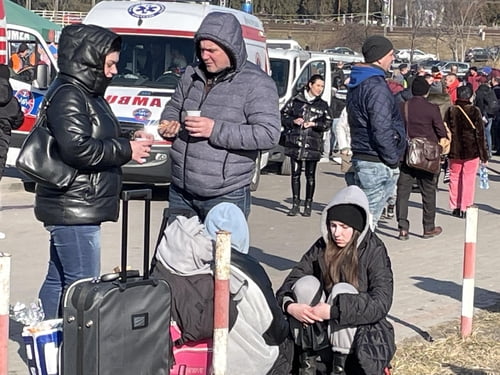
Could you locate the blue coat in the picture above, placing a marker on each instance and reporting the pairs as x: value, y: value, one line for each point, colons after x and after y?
x: 377, y: 128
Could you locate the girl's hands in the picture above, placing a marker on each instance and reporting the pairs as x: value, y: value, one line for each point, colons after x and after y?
x: 304, y: 313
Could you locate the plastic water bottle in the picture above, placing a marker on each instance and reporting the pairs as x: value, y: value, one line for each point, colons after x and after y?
x: 483, y: 178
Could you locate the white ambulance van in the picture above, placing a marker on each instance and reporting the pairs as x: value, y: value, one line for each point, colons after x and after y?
x: 157, y: 45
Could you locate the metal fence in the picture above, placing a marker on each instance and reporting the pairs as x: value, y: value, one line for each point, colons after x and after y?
x: 62, y: 18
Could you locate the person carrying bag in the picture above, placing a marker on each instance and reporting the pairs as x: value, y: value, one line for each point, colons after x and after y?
x: 425, y: 129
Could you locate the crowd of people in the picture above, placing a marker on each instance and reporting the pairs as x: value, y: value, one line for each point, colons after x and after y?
x: 329, y: 314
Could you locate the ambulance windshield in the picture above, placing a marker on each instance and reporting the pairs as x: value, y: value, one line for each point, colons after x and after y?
x: 153, y: 61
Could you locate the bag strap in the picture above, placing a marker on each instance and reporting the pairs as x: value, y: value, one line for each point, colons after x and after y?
x: 466, y: 116
x: 46, y: 102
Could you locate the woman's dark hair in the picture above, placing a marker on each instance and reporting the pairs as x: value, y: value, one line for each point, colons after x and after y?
x: 464, y: 92
x: 312, y: 80
x: 342, y: 262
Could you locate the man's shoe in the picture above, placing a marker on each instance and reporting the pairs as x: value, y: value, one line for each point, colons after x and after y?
x: 403, y: 235
x: 433, y: 233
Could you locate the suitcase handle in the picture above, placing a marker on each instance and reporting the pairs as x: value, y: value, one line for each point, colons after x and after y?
x: 127, y: 195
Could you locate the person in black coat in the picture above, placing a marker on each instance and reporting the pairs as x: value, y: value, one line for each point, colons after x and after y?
x: 343, y: 285
x: 11, y: 115
x: 305, y: 118
x: 88, y: 138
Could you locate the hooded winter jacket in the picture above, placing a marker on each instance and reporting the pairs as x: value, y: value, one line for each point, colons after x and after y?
x: 305, y: 143
x: 11, y: 117
x: 377, y: 128
x: 243, y: 102
x: 87, y: 132
x: 374, y: 341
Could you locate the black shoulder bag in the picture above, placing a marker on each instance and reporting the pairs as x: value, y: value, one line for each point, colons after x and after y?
x: 39, y: 157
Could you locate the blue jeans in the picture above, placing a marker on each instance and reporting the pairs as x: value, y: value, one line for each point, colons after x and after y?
x: 180, y: 202
x: 377, y: 181
x: 74, y: 255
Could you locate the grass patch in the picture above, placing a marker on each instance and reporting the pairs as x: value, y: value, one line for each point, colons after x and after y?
x: 449, y: 354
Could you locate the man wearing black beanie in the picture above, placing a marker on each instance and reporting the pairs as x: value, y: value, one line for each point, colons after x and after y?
x: 423, y: 119
x: 378, y: 138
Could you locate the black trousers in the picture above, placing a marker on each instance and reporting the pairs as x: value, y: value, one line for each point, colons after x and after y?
x: 310, y: 172
x: 427, y: 183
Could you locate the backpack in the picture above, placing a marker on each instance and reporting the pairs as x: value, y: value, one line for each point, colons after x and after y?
x: 491, y: 101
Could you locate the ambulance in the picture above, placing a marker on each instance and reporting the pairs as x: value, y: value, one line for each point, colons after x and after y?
x: 157, y: 45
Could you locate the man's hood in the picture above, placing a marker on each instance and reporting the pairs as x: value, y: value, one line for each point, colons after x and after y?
x: 225, y: 30
x: 360, y: 73
x: 348, y: 195
x: 5, y: 92
x: 82, y: 52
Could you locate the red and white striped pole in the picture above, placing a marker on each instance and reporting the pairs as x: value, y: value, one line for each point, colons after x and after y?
x: 469, y: 271
x: 4, y: 310
x: 221, y: 302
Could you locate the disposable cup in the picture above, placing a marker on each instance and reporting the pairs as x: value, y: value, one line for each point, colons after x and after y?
x: 193, y: 113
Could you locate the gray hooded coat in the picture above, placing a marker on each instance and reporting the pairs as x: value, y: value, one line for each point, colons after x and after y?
x: 374, y: 341
x: 243, y: 102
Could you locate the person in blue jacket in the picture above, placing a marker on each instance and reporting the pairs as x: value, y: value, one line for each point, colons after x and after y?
x: 378, y: 138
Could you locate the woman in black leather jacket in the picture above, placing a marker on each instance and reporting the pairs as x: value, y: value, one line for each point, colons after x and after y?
x: 89, y: 139
x: 305, y: 118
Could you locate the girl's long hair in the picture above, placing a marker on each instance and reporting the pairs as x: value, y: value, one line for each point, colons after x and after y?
x: 342, y: 262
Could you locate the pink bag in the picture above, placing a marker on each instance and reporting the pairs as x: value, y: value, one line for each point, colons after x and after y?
x: 191, y: 357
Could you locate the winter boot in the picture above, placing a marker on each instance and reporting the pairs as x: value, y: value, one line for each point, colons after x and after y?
x: 295, y: 207
x: 338, y: 363
x: 307, y: 208
x: 307, y: 364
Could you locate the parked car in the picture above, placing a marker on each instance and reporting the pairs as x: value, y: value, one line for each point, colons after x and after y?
x: 476, y: 54
x: 342, y: 50
x: 494, y: 52
x: 445, y: 67
x: 418, y: 55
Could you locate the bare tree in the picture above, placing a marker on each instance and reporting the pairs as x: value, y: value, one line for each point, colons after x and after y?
x: 458, y: 19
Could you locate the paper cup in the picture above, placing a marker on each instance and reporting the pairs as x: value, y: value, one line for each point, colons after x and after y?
x: 193, y: 113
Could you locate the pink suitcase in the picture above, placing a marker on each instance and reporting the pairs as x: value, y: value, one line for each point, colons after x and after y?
x: 192, y: 357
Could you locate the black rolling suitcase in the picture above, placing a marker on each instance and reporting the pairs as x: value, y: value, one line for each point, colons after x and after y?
x: 119, y: 323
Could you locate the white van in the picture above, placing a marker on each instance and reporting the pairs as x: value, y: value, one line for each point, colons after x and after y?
x: 285, y: 66
x: 157, y: 45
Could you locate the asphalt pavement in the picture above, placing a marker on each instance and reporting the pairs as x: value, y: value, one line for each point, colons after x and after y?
x: 427, y: 272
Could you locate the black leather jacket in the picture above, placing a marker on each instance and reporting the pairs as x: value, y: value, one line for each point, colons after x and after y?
x: 87, y: 133
x: 305, y: 143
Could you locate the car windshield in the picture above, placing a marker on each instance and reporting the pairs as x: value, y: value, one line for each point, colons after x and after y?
x: 153, y: 61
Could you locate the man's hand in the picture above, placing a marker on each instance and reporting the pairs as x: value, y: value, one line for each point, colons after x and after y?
x: 168, y: 129
x: 199, y: 126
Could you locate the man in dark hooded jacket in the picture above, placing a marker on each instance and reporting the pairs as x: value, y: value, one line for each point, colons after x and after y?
x: 11, y: 117
x: 214, y: 153
x: 378, y: 138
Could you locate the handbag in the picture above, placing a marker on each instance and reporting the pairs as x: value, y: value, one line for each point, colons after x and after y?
x: 422, y: 153
x: 39, y: 157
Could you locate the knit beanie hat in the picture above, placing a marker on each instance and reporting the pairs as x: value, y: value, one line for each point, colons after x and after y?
x: 349, y: 214
x: 4, y: 72
x: 229, y: 217
x: 420, y: 86
x: 376, y: 47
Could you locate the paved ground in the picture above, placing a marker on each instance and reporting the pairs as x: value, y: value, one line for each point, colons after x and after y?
x: 428, y: 273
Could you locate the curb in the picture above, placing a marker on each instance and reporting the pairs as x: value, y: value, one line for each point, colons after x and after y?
x: 9, y: 185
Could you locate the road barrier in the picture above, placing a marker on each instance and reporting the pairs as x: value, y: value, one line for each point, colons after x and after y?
x: 469, y: 271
